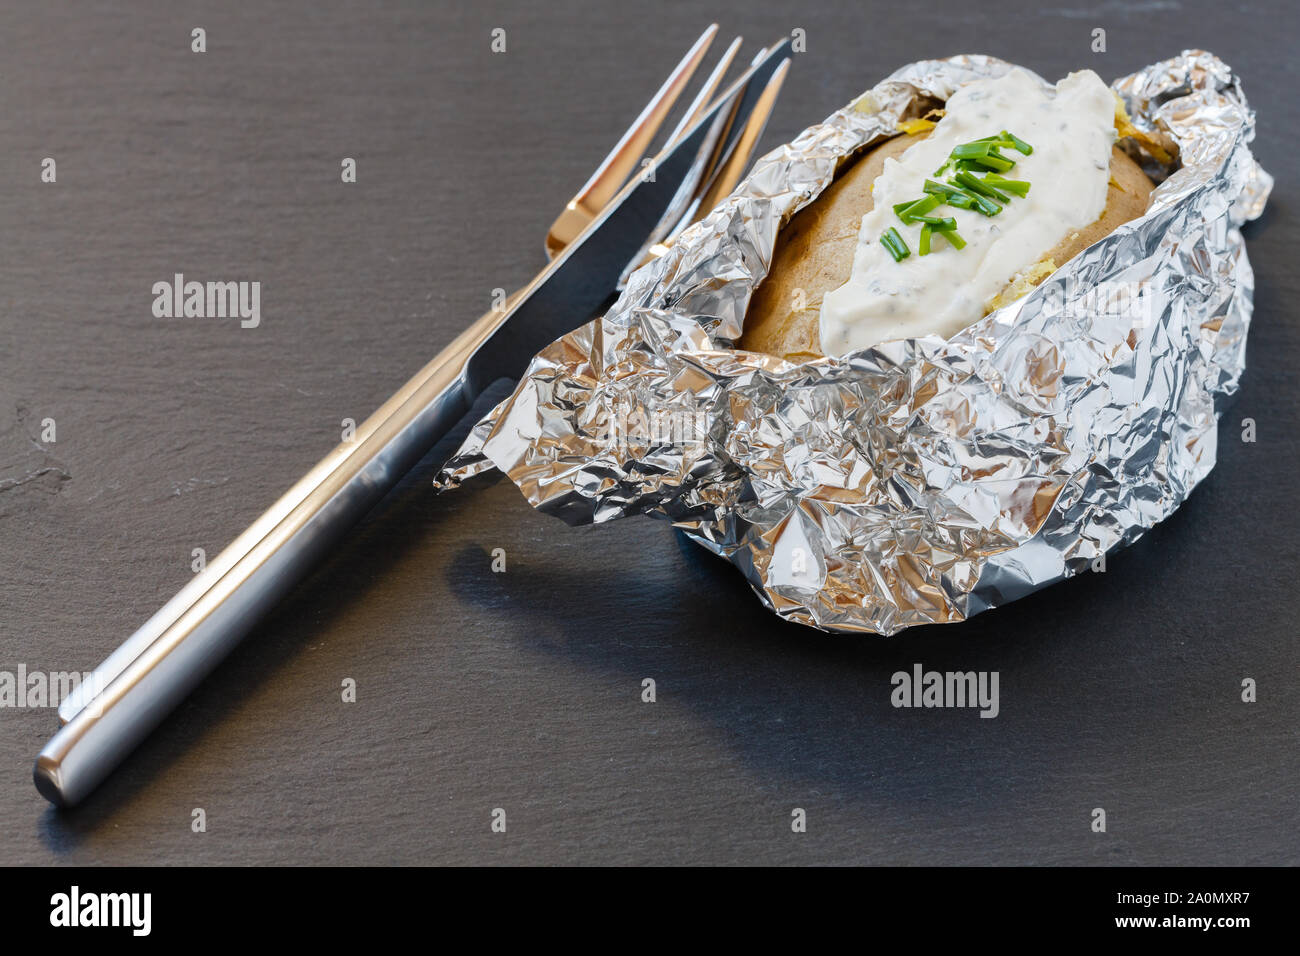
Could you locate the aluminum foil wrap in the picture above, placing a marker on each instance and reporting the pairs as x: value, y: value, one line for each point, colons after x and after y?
x: 919, y: 481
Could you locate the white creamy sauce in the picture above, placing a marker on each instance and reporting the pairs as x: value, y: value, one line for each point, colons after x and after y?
x: 1071, y: 130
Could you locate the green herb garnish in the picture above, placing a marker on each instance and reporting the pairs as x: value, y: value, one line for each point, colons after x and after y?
x: 975, y: 184
x: 939, y: 222
x: 907, y: 211
x: 894, y: 244
x: 951, y: 194
x: 972, y: 150
x: 979, y: 156
x: 1017, y: 143
x: 964, y: 190
x: 979, y: 202
x: 953, y: 236
x: 993, y: 162
x: 1018, y: 186
x: 949, y: 233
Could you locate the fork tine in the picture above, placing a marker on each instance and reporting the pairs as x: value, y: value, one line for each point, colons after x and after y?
x: 723, y: 145
x: 716, y: 165
x: 614, y: 170
x: 609, y: 177
x: 724, y: 171
x: 742, y: 152
x: 688, y: 193
x: 704, y: 98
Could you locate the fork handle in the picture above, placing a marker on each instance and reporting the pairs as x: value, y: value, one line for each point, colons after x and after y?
x: 148, y: 675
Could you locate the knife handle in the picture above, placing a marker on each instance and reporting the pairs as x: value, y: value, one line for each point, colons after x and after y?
x: 148, y: 675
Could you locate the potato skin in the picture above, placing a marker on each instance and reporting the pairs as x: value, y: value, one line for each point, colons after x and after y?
x: 814, y: 252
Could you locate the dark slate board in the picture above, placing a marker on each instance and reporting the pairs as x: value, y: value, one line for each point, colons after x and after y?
x: 522, y: 690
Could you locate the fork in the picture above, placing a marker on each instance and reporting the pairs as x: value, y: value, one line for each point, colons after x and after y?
x: 723, y: 161
x: 141, y: 681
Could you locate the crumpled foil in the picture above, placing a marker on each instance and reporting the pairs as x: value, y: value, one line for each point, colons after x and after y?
x: 918, y: 481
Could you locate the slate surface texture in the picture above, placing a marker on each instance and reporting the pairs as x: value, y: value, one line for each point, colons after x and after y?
x: 478, y: 690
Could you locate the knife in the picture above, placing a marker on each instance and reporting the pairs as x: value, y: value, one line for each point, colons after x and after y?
x: 137, y: 685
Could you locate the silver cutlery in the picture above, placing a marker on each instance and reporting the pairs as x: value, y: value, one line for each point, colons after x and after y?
x: 605, y: 231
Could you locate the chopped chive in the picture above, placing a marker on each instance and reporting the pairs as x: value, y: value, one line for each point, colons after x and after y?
x: 947, y: 165
x: 953, y: 236
x: 980, y: 203
x: 963, y: 200
x: 986, y: 165
x: 998, y: 141
x: 982, y: 154
x: 952, y: 196
x: 992, y: 162
x: 923, y: 206
x: 939, y: 189
x: 894, y: 244
x: 975, y: 184
x: 1017, y: 143
x: 1018, y: 186
x: 907, y: 211
x: 944, y: 222
x: 965, y: 189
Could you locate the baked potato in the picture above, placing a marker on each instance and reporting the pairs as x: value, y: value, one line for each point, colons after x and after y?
x: 814, y: 252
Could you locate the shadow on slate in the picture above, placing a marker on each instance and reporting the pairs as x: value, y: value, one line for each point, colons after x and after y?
x: 799, y: 704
